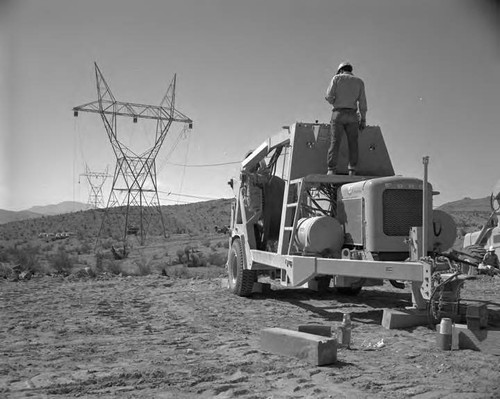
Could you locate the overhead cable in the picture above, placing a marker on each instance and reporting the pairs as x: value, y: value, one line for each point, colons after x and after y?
x: 204, y: 165
x: 187, y: 195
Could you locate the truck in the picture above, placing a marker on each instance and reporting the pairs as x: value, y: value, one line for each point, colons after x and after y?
x: 292, y: 220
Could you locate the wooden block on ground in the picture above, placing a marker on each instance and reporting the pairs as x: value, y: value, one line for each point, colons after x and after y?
x: 315, y: 349
x: 477, y: 316
x: 473, y: 323
x: 479, y: 340
x: 404, y: 318
x: 261, y: 288
x: 316, y: 329
x: 224, y: 282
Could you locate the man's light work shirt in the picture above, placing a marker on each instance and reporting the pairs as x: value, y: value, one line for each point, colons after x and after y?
x: 347, y: 91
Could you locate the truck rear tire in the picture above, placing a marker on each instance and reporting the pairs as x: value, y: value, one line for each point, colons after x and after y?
x: 240, y: 279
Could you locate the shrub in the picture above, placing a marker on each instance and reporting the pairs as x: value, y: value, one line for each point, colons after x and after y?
x: 194, y: 261
x: 217, y: 259
x: 144, y: 266
x: 107, y: 244
x: 206, y: 243
x: 112, y: 266
x: 180, y: 272
x: 5, y: 270
x: 26, y: 258
x: 180, y: 254
x: 85, y: 248
x: 99, y: 262
x: 61, y: 262
x: 3, y: 255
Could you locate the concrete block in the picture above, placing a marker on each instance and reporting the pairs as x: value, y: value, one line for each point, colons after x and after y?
x: 224, y: 282
x: 316, y: 329
x: 315, y: 349
x: 404, y: 318
x: 261, y: 288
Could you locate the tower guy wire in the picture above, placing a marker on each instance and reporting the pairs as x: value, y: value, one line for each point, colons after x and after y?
x: 134, y: 194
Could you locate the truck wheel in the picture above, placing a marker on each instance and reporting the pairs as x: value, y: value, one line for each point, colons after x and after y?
x: 349, y: 291
x: 240, y: 279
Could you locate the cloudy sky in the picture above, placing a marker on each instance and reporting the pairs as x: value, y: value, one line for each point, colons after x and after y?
x: 244, y: 69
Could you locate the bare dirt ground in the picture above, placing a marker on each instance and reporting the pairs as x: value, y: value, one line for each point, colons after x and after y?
x: 160, y: 337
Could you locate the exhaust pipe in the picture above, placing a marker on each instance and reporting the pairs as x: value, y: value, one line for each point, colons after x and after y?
x: 425, y: 208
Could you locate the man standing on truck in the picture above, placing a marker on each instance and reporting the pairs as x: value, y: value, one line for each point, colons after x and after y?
x: 346, y: 93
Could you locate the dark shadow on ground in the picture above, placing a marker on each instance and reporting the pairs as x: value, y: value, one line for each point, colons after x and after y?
x: 367, y: 307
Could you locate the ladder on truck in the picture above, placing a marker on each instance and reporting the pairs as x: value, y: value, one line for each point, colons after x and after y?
x: 290, y: 212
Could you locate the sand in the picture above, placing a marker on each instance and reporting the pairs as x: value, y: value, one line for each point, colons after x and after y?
x: 160, y: 337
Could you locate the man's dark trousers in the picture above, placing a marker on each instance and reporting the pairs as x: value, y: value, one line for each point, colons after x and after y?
x: 344, y: 121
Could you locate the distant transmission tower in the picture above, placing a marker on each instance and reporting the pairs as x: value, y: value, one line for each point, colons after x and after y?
x: 134, y: 193
x: 96, y: 180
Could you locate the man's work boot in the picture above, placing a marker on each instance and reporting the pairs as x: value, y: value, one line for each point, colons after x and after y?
x: 331, y: 172
x: 352, y: 172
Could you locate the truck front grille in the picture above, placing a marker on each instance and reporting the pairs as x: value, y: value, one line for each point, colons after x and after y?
x: 402, y: 209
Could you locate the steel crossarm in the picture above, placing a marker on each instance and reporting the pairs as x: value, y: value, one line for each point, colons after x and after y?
x: 134, y: 110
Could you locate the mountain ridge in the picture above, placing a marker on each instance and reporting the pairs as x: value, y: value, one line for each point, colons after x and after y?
x: 39, y: 211
x: 60, y: 208
x: 467, y: 205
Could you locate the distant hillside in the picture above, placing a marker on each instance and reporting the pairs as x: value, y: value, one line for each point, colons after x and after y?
x: 12, y: 216
x: 195, y: 218
x: 39, y: 211
x: 468, y: 205
x: 469, y: 215
x: 62, y: 207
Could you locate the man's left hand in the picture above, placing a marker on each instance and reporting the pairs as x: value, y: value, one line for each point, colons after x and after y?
x: 362, y: 124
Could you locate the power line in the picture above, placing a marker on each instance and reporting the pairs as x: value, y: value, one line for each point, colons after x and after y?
x: 182, y: 134
x: 204, y: 165
x: 176, y: 200
x: 187, y: 195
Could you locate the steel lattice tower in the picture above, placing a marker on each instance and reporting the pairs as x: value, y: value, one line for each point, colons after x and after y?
x: 134, y: 193
x: 96, y: 180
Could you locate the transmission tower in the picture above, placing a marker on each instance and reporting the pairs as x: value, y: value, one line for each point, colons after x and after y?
x: 134, y: 193
x: 96, y: 181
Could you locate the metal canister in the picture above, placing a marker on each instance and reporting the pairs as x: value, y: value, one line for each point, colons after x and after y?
x: 344, y: 332
x: 444, y: 336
